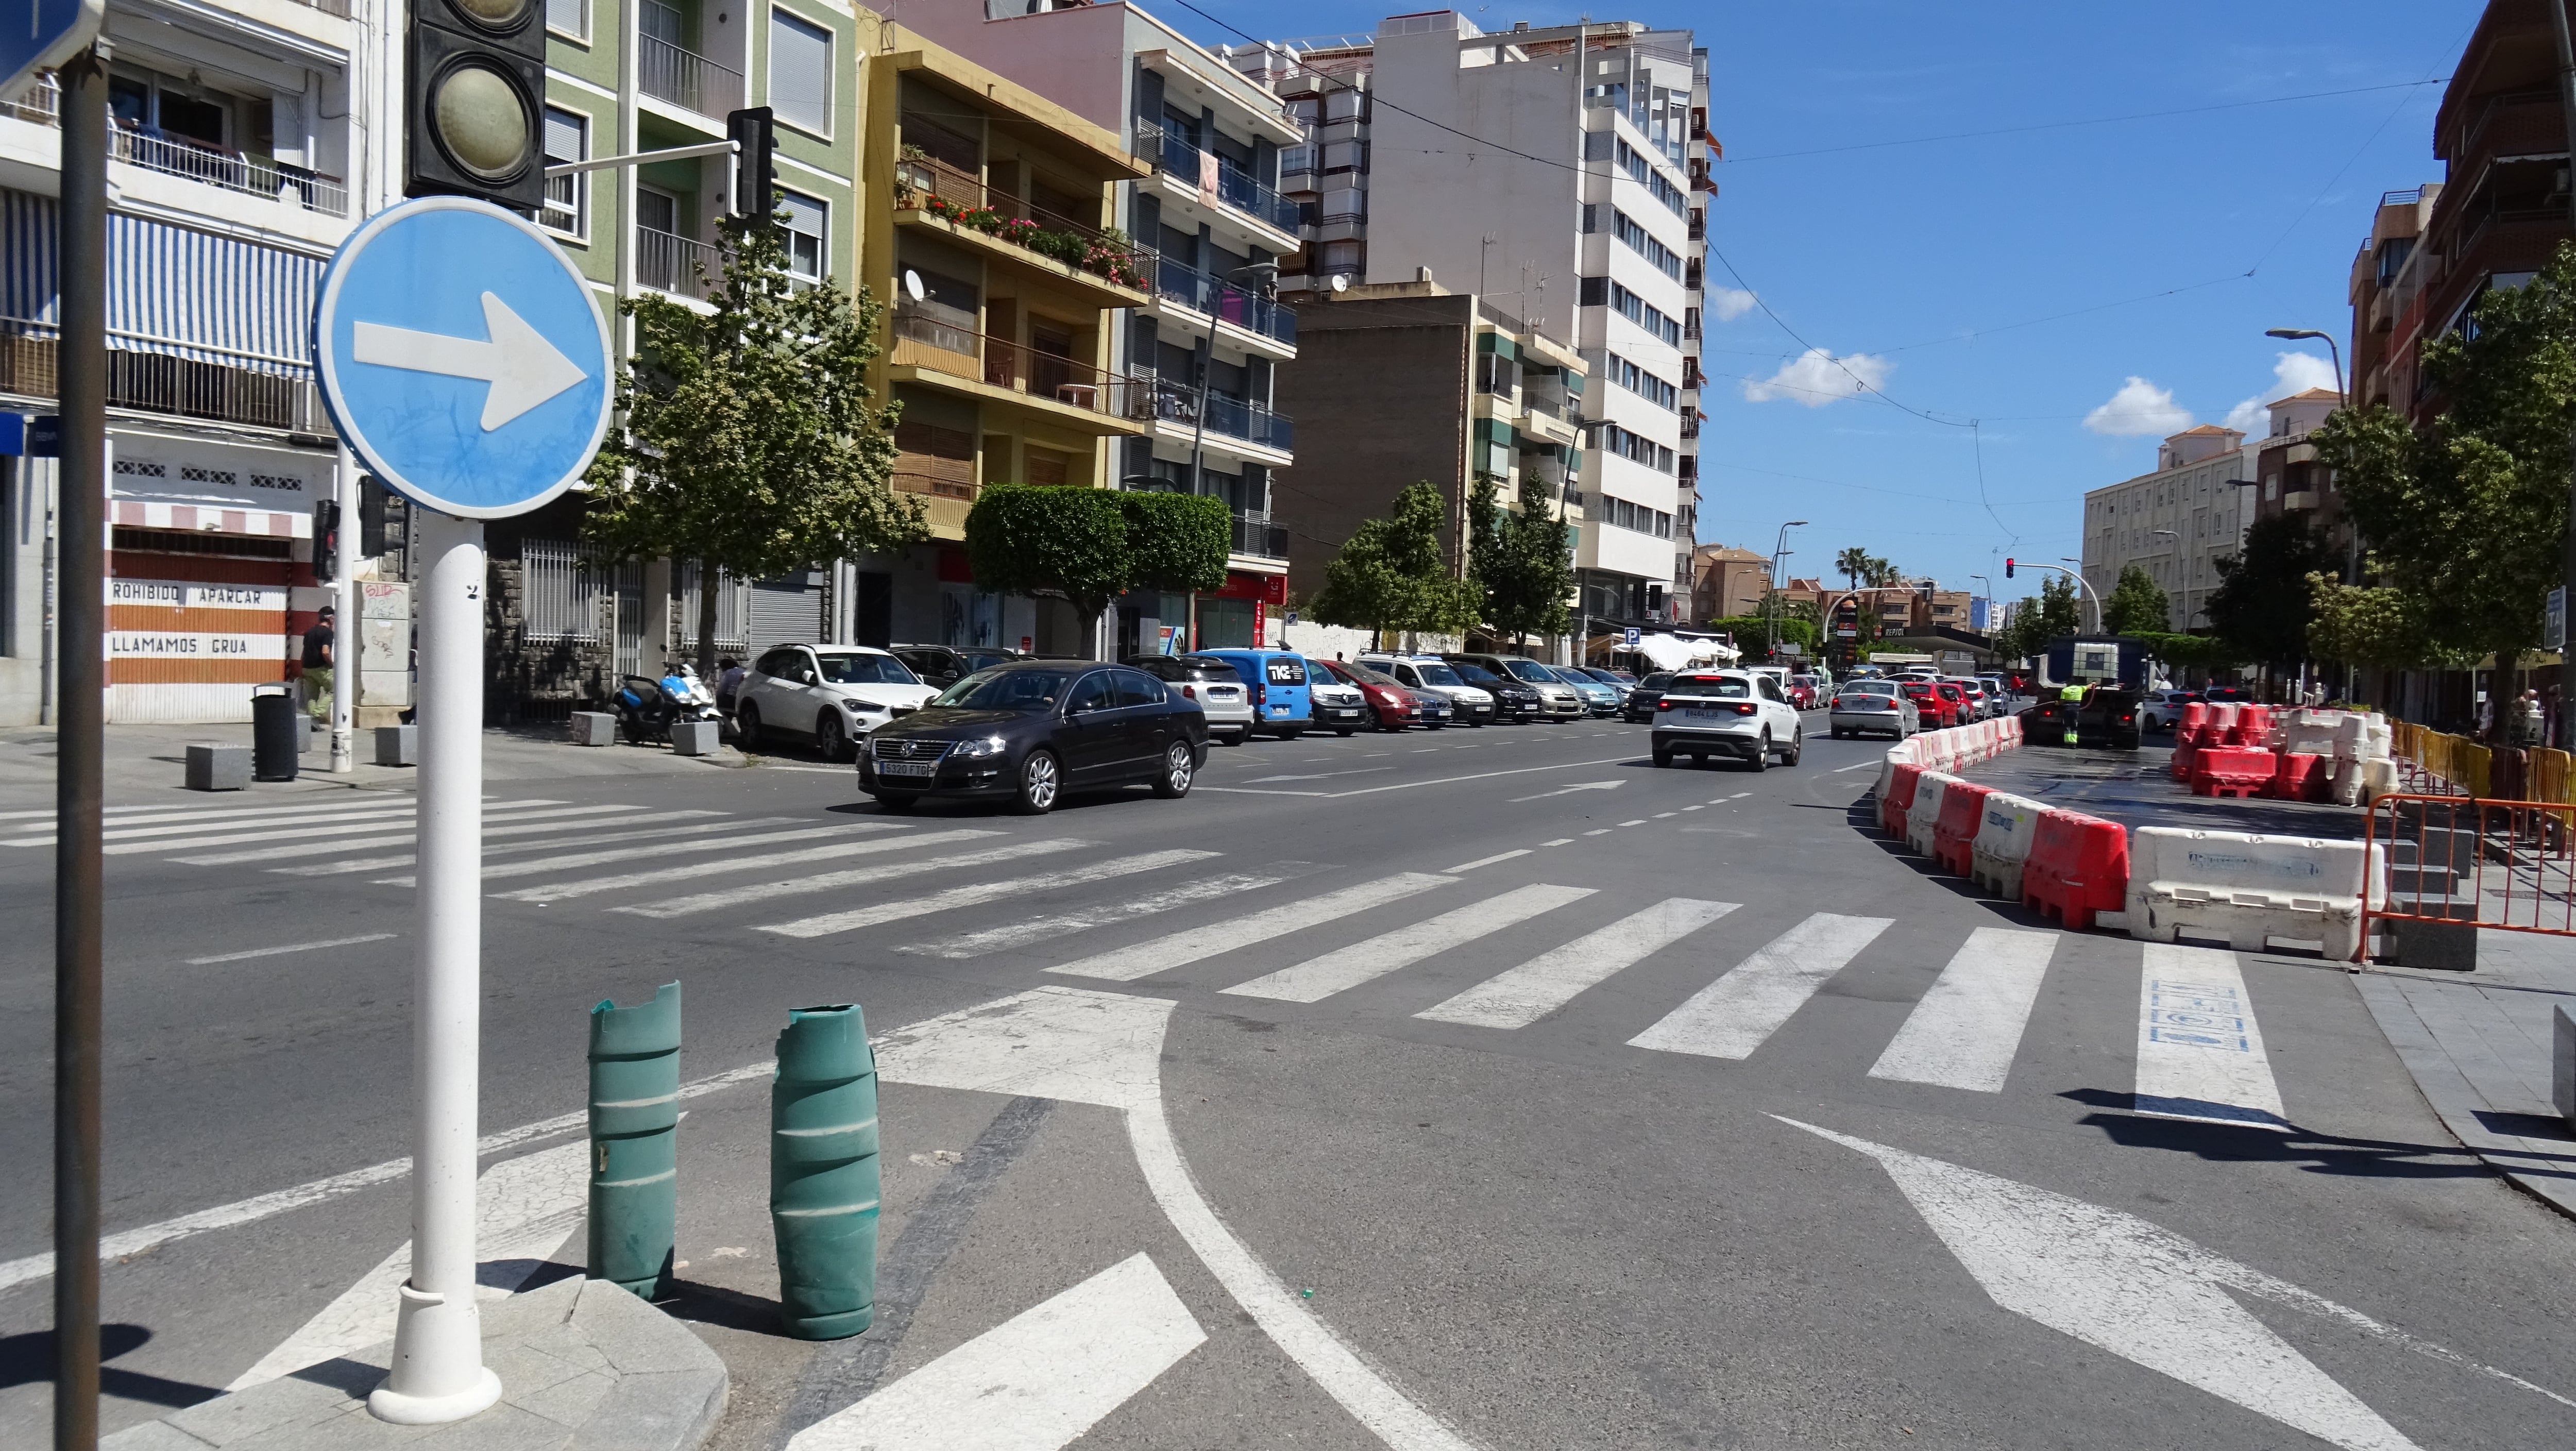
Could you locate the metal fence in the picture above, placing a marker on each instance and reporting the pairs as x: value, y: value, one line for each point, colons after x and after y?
x: 667, y: 263
x: 560, y: 588
x: 685, y: 78
x: 733, y: 607
x: 2474, y: 861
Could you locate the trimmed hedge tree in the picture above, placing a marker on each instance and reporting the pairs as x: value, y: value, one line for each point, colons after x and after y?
x: 1093, y: 545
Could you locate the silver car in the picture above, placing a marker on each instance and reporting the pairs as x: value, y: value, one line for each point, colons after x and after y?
x: 1867, y: 707
x: 1210, y: 682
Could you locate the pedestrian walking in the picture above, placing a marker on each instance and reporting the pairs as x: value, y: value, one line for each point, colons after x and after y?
x: 320, y: 643
x: 728, y: 684
x: 2523, y: 726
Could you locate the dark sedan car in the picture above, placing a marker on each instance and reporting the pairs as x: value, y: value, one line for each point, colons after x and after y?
x: 1030, y: 731
x: 945, y: 665
x: 1513, y: 700
x: 1640, y: 709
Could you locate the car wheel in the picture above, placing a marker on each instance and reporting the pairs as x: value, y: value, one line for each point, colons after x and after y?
x: 1236, y: 738
x: 746, y: 723
x: 1663, y: 758
x: 828, y: 741
x: 1761, y: 755
x: 1836, y: 732
x: 892, y: 802
x: 1345, y: 731
x: 1797, y: 747
x: 1180, y: 764
x: 1041, y: 781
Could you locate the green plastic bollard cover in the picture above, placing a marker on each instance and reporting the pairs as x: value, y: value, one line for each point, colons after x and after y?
x: 823, y: 1172
x: 634, y: 1142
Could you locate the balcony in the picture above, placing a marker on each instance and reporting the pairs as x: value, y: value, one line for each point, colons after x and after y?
x: 2299, y: 500
x: 235, y: 171
x: 1260, y: 538
x: 1100, y: 260
x: 159, y: 383
x: 676, y: 265
x: 1228, y: 417
x: 931, y: 347
x: 1174, y: 156
x: 686, y: 79
x: 1182, y: 285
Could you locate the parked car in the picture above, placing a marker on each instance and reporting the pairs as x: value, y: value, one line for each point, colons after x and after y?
x: 1937, y: 712
x: 1276, y: 679
x: 1598, y: 699
x: 1394, y: 706
x: 1030, y: 731
x: 1729, y: 714
x: 1514, y: 698
x: 1558, y: 701
x: 1866, y: 707
x: 1973, y: 694
x: 1430, y: 675
x: 1624, y: 680
x: 944, y: 665
x: 1640, y: 706
x: 1213, y: 684
x: 1339, y: 706
x: 828, y: 694
x: 2161, y: 710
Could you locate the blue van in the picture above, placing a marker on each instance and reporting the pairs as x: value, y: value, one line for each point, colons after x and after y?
x: 1281, y: 702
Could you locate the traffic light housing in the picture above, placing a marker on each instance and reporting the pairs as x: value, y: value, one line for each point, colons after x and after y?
x: 474, y: 85
x: 2008, y: 567
x: 326, y: 541
x: 755, y: 162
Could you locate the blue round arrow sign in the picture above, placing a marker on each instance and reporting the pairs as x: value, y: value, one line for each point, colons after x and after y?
x: 462, y: 358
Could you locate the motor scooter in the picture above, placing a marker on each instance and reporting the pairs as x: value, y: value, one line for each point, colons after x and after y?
x: 647, y: 708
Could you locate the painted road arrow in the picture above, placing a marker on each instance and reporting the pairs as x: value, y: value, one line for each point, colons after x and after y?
x: 1570, y: 790
x: 523, y: 369
x: 2146, y: 1294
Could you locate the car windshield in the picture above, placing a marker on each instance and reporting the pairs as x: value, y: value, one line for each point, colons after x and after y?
x: 1532, y: 671
x: 1607, y: 677
x: 1870, y: 687
x: 1477, y: 675
x: 1007, y: 690
x: 1724, y: 687
x: 1949, y: 692
x: 854, y: 669
x: 1215, y: 671
x: 986, y: 659
x: 1372, y: 677
x: 1436, y: 674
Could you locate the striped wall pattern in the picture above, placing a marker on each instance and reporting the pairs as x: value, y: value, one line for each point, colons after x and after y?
x: 170, y: 289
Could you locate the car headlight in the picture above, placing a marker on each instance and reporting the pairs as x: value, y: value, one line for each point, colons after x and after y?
x: 863, y: 707
x: 988, y: 746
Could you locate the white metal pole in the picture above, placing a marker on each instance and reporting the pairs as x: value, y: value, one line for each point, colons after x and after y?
x: 345, y: 643
x: 438, y: 1371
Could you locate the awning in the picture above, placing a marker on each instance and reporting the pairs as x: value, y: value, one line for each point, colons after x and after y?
x: 210, y: 519
x: 170, y: 289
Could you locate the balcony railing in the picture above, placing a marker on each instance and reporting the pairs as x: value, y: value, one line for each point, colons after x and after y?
x: 938, y: 486
x: 927, y: 340
x: 237, y: 171
x: 1232, y: 417
x: 1185, y: 286
x: 1260, y: 537
x: 1234, y: 186
x: 160, y: 383
x: 685, y: 78
x: 677, y: 265
x: 945, y: 191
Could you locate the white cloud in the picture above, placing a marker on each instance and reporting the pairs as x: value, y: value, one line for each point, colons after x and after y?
x: 1726, y: 304
x: 1816, y: 378
x: 2139, y: 410
x: 2291, y: 373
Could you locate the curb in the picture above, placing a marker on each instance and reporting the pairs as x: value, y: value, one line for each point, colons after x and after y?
x: 2544, y: 1168
x: 584, y: 1366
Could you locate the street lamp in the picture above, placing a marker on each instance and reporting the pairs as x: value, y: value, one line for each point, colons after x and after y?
x: 2077, y: 574
x: 1779, y: 550
x: 2326, y: 338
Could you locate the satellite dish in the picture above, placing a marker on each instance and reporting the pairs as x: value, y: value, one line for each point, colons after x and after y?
x: 912, y: 285
x: 1341, y: 282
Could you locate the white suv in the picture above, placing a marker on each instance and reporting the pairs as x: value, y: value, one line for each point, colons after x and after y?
x: 1732, y: 713
x: 830, y: 694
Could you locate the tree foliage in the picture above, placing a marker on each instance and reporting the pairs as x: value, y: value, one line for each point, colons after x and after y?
x: 2208, y: 652
x: 1177, y: 542
x: 2262, y: 602
x: 1093, y: 545
x: 1753, y: 635
x: 1522, y: 559
x: 1391, y: 573
x: 749, y: 439
x: 2371, y: 625
x: 2059, y: 610
x: 2137, y: 604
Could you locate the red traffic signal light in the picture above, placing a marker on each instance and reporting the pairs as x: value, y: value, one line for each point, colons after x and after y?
x: 2008, y: 567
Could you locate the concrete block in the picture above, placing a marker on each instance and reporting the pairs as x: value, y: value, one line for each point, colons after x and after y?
x: 316, y: 737
x: 695, y: 737
x: 398, y: 745
x: 2562, y: 1059
x: 213, y: 766
x: 594, y: 728
x: 2434, y: 946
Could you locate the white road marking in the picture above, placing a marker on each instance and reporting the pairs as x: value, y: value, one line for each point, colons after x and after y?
x: 1039, y: 929
x: 1965, y: 1030
x: 375, y: 815
x: 1431, y: 781
x: 1162, y: 954
x: 1522, y: 995
x: 1319, y: 775
x: 1106, y: 1048
x: 141, y: 826
x: 730, y: 897
x: 1660, y: 815
x: 1486, y: 861
x: 1598, y: 831
x: 1694, y: 808
x: 325, y: 848
x: 1740, y: 795
x: 2200, y: 1052
x: 386, y: 823
x: 1560, y: 841
x: 1037, y: 1381
x: 981, y: 892
x: 1732, y: 1016
x: 1318, y: 978
x: 1863, y: 766
x: 1570, y: 790
x: 295, y: 947
x: 383, y: 863
x: 682, y: 848
x: 2142, y: 1292
x: 834, y: 851
x: 524, y: 1210
x: 1640, y: 821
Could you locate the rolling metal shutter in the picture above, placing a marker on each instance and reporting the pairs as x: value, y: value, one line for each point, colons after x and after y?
x: 785, y: 613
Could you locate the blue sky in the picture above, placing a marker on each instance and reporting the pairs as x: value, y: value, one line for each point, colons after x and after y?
x: 1923, y: 258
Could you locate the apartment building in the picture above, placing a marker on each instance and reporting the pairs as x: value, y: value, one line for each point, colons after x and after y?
x: 2179, y: 520
x: 239, y: 159
x: 2292, y: 481
x: 1202, y: 354
x: 1425, y: 383
x: 2382, y: 352
x: 1728, y: 581
x: 1590, y: 241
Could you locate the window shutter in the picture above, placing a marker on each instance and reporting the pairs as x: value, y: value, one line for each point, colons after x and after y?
x: 800, y: 73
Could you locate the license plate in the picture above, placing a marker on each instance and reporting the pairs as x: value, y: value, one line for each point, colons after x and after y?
x: 1708, y: 715
x: 907, y: 768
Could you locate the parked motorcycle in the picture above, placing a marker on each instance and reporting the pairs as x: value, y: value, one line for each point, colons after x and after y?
x: 647, y: 708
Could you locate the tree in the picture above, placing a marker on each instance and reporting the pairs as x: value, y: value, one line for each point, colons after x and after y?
x: 750, y: 440
x: 1389, y: 575
x: 1177, y: 543
x: 2262, y: 602
x: 1853, y: 564
x: 1752, y: 633
x: 2370, y: 625
x: 2137, y: 604
x: 2058, y: 611
x: 1522, y: 559
x: 2466, y: 517
x: 1093, y: 545
x: 1882, y: 574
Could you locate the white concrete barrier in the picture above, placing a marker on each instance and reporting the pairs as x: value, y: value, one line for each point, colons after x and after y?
x: 2251, y: 889
x: 2003, y: 843
x: 1898, y: 755
x: 1925, y: 816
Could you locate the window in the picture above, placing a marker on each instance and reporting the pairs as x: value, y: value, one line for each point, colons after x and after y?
x: 1643, y: 172
x: 1637, y: 240
x: 800, y: 73
x: 569, y: 17
x: 1094, y: 693
x: 808, y: 231
x: 1137, y: 688
x: 567, y: 197
x: 1638, y: 381
x: 1644, y: 314
x: 1591, y: 217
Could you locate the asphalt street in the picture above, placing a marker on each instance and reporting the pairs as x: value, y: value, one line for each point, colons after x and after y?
x: 1471, y: 1088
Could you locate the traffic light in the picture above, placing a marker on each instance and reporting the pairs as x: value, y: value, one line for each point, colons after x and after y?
x: 755, y: 164
x: 326, y: 541
x: 2008, y: 566
x: 474, y: 82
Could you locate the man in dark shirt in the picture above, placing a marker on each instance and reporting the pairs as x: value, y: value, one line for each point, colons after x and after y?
x: 318, y: 652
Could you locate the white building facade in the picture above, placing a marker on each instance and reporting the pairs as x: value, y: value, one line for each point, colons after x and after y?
x: 2176, y: 522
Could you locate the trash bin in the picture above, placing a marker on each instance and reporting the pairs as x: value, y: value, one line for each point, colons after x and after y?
x: 276, y: 729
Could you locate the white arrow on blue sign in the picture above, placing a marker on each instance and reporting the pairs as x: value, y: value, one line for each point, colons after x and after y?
x: 462, y: 357
x: 56, y: 30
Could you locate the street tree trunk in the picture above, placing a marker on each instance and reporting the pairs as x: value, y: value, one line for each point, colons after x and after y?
x: 706, y: 619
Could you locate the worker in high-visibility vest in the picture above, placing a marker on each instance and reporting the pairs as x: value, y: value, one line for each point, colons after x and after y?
x: 2073, y: 695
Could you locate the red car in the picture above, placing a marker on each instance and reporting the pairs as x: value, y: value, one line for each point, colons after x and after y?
x: 1395, y: 706
x: 1937, y: 704
x: 1802, y: 691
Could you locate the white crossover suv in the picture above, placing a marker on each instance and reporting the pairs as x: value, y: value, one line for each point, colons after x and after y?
x: 1734, y: 714
x: 829, y: 694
